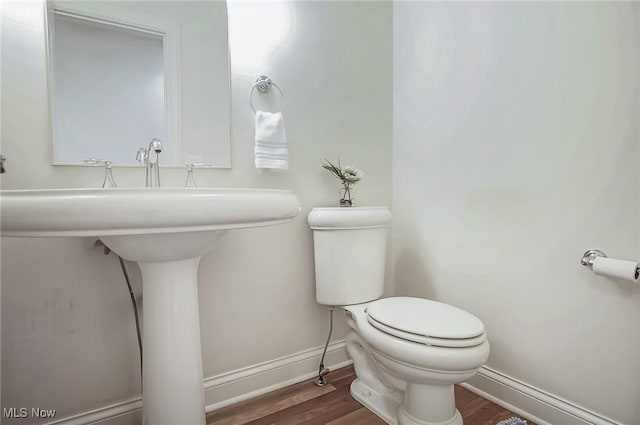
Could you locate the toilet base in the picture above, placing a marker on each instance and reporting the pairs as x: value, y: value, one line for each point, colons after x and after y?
x: 388, y: 406
x: 383, y: 405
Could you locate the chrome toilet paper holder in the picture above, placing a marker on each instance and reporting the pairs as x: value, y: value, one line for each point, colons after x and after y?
x: 592, y: 254
x: 589, y: 256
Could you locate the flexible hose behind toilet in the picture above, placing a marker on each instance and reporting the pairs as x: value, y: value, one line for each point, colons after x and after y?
x: 320, y: 381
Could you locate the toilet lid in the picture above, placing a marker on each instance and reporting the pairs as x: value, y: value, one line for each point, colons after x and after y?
x: 425, y: 321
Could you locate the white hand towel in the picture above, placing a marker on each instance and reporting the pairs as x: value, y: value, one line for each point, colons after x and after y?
x: 271, y: 141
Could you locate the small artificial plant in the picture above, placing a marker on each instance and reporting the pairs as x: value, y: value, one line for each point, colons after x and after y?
x: 348, y: 176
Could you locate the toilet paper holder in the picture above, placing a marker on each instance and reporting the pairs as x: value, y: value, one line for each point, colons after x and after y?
x: 589, y: 256
x: 592, y: 254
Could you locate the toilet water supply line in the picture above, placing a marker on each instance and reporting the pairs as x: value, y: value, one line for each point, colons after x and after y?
x: 320, y: 381
x: 107, y: 251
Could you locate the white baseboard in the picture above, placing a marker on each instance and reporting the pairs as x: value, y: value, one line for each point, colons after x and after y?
x: 122, y: 413
x: 243, y: 384
x: 230, y: 387
x: 533, y: 403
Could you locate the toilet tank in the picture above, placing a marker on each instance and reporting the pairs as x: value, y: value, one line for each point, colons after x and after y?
x: 350, y: 252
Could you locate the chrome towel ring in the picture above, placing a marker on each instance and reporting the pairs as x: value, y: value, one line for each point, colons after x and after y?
x: 263, y: 84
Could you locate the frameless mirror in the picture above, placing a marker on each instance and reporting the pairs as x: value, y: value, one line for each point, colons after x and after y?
x: 125, y: 72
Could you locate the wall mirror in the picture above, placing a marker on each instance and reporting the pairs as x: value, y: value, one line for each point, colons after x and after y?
x: 124, y: 72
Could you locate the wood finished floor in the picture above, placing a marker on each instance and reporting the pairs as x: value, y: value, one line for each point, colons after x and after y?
x: 304, y: 403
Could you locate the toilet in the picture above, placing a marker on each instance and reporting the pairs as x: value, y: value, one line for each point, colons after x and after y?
x: 407, y: 352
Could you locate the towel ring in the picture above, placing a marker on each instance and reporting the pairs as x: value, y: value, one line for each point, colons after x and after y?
x: 263, y: 84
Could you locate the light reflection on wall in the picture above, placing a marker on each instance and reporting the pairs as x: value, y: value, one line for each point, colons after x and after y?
x: 256, y: 28
x: 157, y: 96
x: 25, y: 14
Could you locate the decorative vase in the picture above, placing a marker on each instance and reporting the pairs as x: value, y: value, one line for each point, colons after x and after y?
x: 345, y: 200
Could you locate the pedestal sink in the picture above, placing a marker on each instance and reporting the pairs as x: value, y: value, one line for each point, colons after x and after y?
x: 166, y: 231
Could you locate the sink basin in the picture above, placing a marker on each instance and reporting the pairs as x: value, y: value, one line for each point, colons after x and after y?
x: 165, y: 231
x: 137, y: 211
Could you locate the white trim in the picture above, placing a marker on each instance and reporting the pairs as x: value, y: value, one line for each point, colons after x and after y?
x: 102, y: 414
x: 242, y: 384
x: 234, y: 386
x: 238, y: 385
x: 535, y: 404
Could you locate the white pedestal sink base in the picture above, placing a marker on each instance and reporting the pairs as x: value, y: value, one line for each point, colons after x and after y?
x: 165, y: 231
x: 172, y: 359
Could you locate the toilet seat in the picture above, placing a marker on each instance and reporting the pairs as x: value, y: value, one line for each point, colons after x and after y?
x: 426, y: 322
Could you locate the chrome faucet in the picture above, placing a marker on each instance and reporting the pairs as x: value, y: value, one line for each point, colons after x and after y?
x: 144, y: 156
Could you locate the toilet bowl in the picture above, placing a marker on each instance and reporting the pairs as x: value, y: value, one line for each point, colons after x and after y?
x: 415, y: 370
x: 408, y: 353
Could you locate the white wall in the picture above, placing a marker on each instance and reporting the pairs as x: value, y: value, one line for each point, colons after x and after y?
x: 68, y: 338
x: 516, y: 147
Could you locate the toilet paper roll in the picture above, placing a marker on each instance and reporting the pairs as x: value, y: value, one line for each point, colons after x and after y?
x: 620, y: 269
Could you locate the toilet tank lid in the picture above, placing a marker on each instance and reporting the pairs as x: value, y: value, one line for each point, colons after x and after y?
x: 349, y: 217
x: 424, y: 317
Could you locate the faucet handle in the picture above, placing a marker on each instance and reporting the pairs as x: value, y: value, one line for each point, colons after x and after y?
x: 191, y: 181
x: 108, y: 182
x: 142, y: 155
